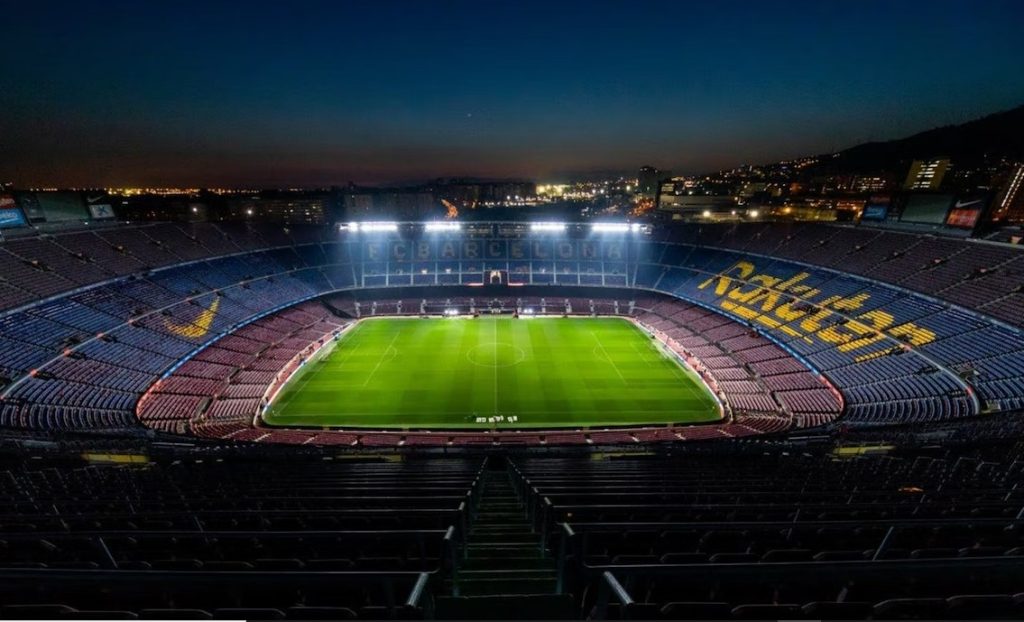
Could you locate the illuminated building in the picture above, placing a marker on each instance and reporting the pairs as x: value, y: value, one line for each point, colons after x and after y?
x: 1011, y: 200
x: 926, y: 174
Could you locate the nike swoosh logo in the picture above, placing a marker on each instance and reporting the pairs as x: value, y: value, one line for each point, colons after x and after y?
x: 967, y: 204
x: 93, y: 199
x: 197, y: 328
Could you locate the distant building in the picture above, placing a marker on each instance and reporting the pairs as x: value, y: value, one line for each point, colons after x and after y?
x: 870, y: 183
x: 162, y: 207
x: 926, y: 174
x: 1010, y: 203
x: 473, y: 193
x: 399, y: 203
x: 285, y: 209
x: 648, y: 180
x: 751, y: 188
x: 695, y: 204
x: 358, y: 204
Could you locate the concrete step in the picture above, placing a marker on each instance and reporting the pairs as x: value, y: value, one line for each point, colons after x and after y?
x: 505, y: 586
x: 508, y: 506
x: 522, y: 562
x: 503, y: 555
x: 485, y: 516
x: 475, y: 545
x: 507, y: 573
x: 497, y: 550
x: 489, y: 530
x: 505, y: 539
x: 527, y: 607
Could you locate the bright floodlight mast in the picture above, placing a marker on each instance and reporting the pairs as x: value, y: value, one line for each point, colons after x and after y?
x: 442, y: 226
x: 550, y: 227
x: 376, y: 226
x: 616, y: 227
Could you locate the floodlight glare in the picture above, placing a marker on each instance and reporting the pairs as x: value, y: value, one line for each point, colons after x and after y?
x: 377, y: 226
x: 547, y: 226
x: 609, y: 227
x: 442, y: 226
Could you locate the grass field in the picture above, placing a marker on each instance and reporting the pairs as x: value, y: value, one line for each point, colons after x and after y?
x: 460, y: 373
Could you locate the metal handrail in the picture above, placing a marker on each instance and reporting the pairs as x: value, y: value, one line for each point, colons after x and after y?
x: 845, y: 568
x: 619, y: 526
x: 609, y: 586
x: 420, y: 579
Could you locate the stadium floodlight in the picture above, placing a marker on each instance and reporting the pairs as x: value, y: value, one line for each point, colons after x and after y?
x: 442, y: 226
x: 548, y: 226
x: 610, y: 227
x: 371, y: 227
x: 635, y: 227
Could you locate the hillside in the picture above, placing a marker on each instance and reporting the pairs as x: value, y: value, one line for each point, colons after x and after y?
x: 996, y: 135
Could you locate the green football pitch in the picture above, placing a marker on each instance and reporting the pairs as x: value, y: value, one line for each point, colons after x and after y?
x: 492, y: 372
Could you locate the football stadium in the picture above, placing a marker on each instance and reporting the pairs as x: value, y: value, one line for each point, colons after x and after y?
x: 510, y: 420
x: 325, y: 311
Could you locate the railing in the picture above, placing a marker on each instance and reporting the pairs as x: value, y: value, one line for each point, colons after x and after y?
x: 574, y: 538
x: 611, y: 589
x: 417, y: 596
x: 421, y: 538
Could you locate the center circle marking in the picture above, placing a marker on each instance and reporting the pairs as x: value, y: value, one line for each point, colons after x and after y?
x: 498, y: 354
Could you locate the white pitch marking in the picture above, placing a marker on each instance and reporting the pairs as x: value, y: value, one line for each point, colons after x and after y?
x: 387, y: 351
x: 608, y: 356
x: 495, y: 367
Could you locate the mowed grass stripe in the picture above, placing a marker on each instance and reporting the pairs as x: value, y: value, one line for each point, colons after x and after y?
x: 445, y: 373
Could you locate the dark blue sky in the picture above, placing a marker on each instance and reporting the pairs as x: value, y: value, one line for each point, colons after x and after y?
x: 269, y: 93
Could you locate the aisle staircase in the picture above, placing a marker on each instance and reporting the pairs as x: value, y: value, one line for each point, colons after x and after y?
x: 506, y: 573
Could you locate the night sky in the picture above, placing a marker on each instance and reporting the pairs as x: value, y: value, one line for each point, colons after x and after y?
x: 310, y: 93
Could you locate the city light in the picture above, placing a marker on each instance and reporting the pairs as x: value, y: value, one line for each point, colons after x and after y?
x: 548, y: 226
x: 753, y: 213
x: 442, y: 226
x: 706, y: 213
